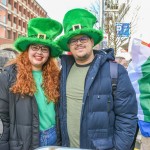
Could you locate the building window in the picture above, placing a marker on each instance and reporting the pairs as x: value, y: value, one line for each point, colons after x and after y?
x: 29, y: 14
x: 2, y: 15
x: 14, y: 35
x: 15, y: 5
x: 24, y: 24
x: 20, y: 8
x: 24, y: 11
x: 3, y: 2
x: 9, y: 1
x: 9, y: 17
x: 15, y: 20
x: 31, y: 5
x: 2, y: 31
x: 19, y: 22
x: 8, y: 34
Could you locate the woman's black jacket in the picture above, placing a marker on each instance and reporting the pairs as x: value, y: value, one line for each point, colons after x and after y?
x: 19, y: 115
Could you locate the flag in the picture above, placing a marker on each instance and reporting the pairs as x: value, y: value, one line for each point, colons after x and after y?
x: 139, y: 73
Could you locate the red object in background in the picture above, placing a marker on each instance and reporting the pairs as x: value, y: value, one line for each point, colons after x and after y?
x: 147, y: 44
x: 68, y: 53
x: 124, y: 50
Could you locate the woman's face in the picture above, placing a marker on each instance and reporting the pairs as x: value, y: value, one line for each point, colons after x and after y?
x: 38, y: 55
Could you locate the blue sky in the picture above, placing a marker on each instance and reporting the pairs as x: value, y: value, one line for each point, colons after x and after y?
x: 57, y: 8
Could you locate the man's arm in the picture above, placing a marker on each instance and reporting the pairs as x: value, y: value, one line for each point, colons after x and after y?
x: 4, y: 111
x: 125, y: 108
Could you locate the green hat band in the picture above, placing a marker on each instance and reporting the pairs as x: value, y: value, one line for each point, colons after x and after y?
x: 41, y: 36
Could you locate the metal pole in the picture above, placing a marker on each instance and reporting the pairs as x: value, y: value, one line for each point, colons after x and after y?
x: 103, y: 13
x: 103, y: 18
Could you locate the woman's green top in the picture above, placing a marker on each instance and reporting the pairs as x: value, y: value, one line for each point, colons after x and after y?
x: 46, y: 110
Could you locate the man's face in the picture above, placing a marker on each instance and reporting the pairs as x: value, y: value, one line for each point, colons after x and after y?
x: 81, y: 47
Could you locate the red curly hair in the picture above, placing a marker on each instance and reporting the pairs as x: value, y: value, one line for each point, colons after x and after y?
x: 25, y: 84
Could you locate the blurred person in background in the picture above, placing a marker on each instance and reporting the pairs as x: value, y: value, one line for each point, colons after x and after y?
x: 121, y: 60
x: 6, y: 55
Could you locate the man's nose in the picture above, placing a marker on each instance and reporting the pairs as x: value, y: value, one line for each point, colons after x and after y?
x: 78, y: 41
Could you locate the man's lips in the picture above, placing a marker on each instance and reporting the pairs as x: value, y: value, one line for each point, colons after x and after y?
x: 80, y: 48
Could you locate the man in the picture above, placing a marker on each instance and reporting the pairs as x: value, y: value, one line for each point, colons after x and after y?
x: 91, y: 118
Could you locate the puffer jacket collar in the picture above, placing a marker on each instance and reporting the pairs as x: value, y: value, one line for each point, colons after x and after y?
x: 106, y: 54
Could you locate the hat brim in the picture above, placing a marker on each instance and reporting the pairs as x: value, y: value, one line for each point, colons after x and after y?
x: 96, y: 35
x: 22, y: 43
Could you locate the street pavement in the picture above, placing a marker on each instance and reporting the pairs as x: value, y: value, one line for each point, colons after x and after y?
x: 138, y: 141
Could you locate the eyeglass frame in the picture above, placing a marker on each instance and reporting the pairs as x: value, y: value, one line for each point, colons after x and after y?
x: 78, y: 39
x: 39, y: 47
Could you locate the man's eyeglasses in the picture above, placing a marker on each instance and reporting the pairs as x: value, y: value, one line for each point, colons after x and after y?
x: 82, y: 39
x: 36, y: 48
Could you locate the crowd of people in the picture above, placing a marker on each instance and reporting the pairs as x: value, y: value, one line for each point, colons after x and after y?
x: 71, y: 103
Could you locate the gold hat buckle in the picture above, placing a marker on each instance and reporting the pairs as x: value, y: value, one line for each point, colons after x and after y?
x: 41, y: 36
x: 76, y: 26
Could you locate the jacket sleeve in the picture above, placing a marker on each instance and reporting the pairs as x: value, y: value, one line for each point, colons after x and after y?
x: 59, y: 139
x: 4, y: 112
x: 125, y: 109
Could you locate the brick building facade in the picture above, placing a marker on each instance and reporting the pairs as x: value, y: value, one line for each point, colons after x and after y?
x: 14, y: 15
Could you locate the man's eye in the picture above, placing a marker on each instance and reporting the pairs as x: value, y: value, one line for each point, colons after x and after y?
x: 73, y: 41
x: 83, y: 39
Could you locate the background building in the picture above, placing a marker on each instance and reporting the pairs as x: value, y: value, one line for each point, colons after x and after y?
x: 121, y: 21
x: 14, y: 15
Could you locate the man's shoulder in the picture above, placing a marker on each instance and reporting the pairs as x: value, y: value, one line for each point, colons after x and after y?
x: 108, y: 53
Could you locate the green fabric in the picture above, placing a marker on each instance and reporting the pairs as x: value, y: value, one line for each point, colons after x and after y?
x: 75, y: 90
x: 46, y: 110
x: 37, y: 27
x: 144, y: 87
x: 83, y: 21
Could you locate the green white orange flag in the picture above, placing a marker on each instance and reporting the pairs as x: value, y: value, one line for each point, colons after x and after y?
x: 139, y: 73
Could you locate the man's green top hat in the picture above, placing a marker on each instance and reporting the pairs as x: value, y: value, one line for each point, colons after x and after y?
x: 41, y: 31
x: 79, y: 21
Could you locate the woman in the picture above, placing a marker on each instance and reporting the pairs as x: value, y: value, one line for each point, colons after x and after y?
x: 29, y: 89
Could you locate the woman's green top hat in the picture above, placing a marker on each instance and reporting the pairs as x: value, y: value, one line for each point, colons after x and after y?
x: 79, y: 21
x: 41, y: 31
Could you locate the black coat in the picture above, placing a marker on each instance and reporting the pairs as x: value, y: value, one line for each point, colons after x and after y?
x: 19, y: 115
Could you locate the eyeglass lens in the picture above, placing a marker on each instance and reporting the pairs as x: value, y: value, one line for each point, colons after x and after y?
x: 82, y: 39
x: 44, y: 49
